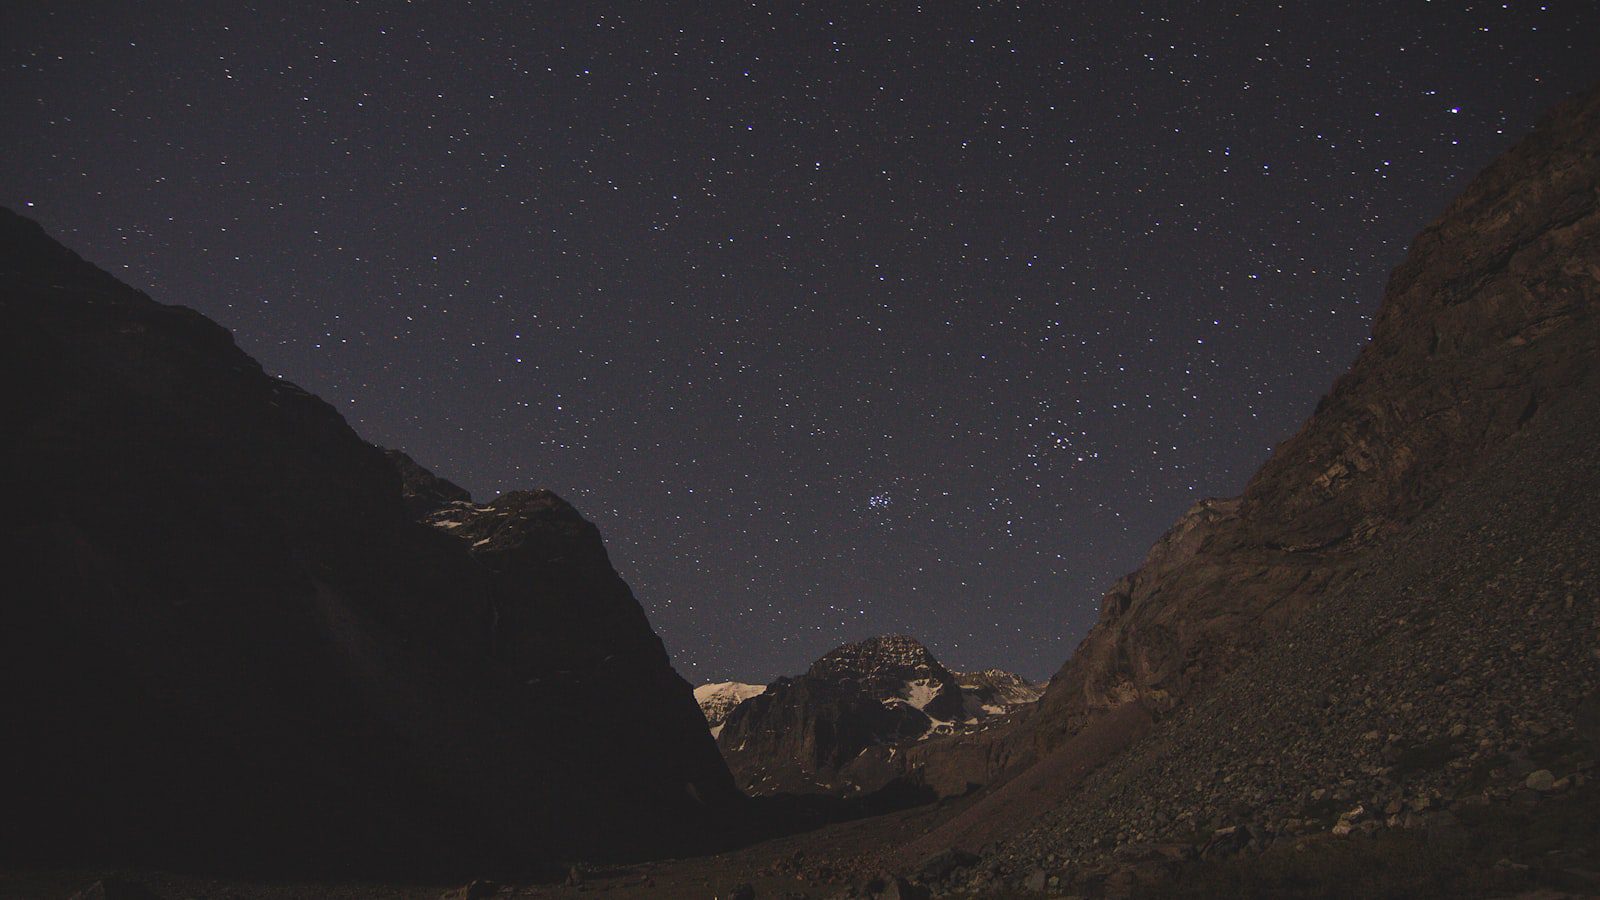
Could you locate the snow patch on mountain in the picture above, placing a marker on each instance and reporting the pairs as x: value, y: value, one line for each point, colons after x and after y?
x: 919, y: 692
x: 718, y: 699
x: 995, y: 692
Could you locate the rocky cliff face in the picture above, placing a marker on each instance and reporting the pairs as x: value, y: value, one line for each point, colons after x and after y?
x: 226, y: 640
x: 1490, y: 317
x: 842, y: 727
x: 567, y: 629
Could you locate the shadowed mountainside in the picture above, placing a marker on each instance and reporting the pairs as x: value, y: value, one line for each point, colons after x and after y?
x: 227, y: 642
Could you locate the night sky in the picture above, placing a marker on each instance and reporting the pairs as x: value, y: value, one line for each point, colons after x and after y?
x: 837, y: 321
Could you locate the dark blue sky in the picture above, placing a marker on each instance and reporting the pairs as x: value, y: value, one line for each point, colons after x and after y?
x: 837, y: 320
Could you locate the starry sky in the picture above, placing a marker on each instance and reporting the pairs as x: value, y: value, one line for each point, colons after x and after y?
x: 838, y: 319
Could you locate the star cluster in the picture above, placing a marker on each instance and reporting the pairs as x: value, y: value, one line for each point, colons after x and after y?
x: 837, y: 319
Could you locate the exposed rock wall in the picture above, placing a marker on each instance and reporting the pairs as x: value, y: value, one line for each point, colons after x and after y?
x: 1491, y: 315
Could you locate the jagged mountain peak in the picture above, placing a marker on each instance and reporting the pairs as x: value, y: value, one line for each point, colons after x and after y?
x: 874, y: 655
x: 894, y: 668
x: 841, y: 726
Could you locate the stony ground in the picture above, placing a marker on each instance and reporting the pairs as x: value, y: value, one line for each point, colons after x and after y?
x: 810, y: 866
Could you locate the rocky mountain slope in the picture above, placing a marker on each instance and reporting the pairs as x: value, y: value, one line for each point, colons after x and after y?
x: 1395, y: 624
x: 572, y: 634
x: 1490, y: 317
x: 843, y: 726
x: 228, y: 642
x: 1447, y: 692
x: 1487, y: 321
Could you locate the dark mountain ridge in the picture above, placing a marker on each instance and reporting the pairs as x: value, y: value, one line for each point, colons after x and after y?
x: 227, y: 641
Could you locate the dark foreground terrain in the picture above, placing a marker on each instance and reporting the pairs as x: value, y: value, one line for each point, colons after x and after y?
x: 1547, y: 852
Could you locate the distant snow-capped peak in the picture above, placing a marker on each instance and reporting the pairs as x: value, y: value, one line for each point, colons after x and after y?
x: 718, y: 699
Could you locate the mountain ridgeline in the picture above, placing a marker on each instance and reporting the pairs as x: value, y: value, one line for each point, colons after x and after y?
x: 229, y: 641
x: 843, y: 726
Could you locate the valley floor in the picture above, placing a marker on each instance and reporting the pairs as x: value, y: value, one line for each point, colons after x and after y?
x: 1544, y: 851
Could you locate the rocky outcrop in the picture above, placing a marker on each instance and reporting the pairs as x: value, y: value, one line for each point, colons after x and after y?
x: 227, y: 640
x: 845, y: 726
x: 809, y: 735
